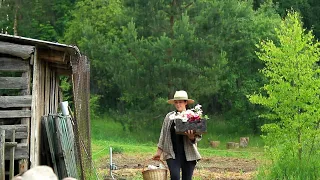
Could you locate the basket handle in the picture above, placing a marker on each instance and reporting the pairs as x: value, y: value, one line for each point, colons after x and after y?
x: 144, y: 164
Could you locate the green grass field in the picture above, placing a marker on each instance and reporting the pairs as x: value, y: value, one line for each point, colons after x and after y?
x: 107, y: 133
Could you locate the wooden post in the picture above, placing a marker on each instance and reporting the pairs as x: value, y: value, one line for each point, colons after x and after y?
x: 2, y: 150
x: 24, y: 163
x: 35, y: 110
x: 12, y: 150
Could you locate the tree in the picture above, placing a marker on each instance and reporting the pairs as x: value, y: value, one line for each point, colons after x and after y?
x: 292, y: 99
x: 234, y: 27
x: 40, y: 19
x: 309, y: 9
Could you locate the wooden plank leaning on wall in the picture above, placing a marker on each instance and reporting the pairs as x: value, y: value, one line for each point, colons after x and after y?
x: 24, y: 163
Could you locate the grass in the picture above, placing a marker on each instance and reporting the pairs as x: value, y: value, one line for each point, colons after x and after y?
x: 106, y: 133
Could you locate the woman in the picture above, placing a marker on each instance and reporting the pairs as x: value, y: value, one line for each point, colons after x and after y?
x: 180, y: 151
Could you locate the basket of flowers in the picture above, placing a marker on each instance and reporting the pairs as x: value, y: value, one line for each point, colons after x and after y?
x: 191, y: 119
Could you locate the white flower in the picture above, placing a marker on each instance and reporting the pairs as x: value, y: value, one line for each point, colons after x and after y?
x: 197, y: 107
x: 184, y: 119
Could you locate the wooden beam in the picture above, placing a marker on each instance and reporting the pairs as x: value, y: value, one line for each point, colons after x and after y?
x: 52, y: 55
x: 13, y: 64
x: 18, y: 127
x: 19, y: 135
x: 26, y: 121
x: 21, y: 152
x: 47, y: 89
x: 37, y: 110
x: 21, y: 131
x: 13, y: 83
x: 2, y: 153
x: 12, y: 146
x: 23, y: 51
x: 15, y: 101
x: 15, y: 113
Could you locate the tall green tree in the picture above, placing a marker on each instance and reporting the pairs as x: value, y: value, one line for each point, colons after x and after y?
x: 292, y: 99
x: 40, y: 19
x: 94, y: 27
x: 235, y: 27
x: 309, y: 10
x: 142, y: 51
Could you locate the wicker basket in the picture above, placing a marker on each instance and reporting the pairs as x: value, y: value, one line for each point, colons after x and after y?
x: 155, y: 174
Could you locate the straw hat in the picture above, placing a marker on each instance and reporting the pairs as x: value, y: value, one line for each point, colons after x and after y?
x: 180, y: 95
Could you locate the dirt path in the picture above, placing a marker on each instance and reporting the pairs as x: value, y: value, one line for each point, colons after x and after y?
x: 209, y: 168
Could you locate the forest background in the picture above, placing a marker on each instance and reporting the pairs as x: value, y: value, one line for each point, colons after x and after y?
x: 142, y: 51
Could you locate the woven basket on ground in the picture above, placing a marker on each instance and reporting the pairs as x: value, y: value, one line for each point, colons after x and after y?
x: 155, y: 174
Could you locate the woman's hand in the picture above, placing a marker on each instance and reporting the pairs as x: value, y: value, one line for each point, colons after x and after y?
x: 157, y: 155
x: 191, y: 135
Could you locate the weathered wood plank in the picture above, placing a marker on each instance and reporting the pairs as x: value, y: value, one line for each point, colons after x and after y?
x: 15, y: 101
x: 21, y: 152
x: 52, y: 56
x: 19, y: 135
x: 47, y: 90
x: 15, y: 114
x: 17, y: 127
x: 10, y: 144
x: 26, y: 121
x: 13, y: 83
x: 36, y: 109
x: 13, y: 145
x: 23, y: 51
x: 13, y: 64
x: 2, y: 152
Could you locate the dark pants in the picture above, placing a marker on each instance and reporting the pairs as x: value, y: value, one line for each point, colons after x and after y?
x: 187, y: 168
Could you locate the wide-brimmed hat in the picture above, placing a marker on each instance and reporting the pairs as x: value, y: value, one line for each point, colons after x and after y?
x: 180, y: 95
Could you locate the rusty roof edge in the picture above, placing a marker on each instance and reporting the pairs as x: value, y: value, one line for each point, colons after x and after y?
x: 31, y: 41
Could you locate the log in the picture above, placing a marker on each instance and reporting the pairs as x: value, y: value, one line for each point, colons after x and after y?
x: 22, y: 51
x: 15, y: 101
x: 244, y: 141
x: 215, y: 144
x: 13, y: 64
x: 230, y: 145
x: 13, y: 83
x: 236, y: 145
x: 15, y: 114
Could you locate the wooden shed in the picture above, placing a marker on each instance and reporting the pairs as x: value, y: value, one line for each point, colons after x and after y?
x: 30, y: 74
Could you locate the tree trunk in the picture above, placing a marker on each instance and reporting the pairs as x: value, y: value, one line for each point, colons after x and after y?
x: 15, y: 23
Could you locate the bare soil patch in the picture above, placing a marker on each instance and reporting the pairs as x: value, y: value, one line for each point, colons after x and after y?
x: 209, y: 168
